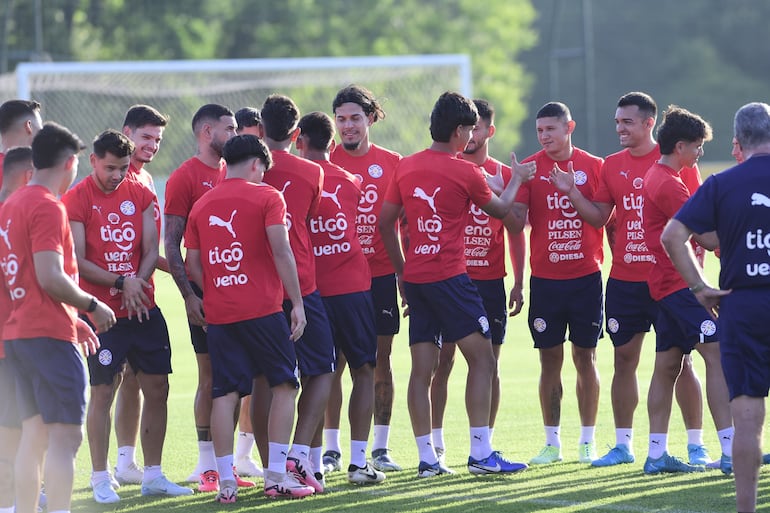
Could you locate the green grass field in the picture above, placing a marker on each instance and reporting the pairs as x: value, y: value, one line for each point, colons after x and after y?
x: 564, y: 487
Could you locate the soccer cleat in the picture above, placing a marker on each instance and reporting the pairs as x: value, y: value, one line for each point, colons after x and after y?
x: 332, y: 461
x: 319, y: 476
x: 162, y: 486
x: 587, y: 452
x: 618, y: 455
x: 114, y: 482
x: 698, y: 454
x: 494, y: 464
x: 669, y: 464
x: 288, y: 488
x: 132, y: 474
x: 440, y: 454
x: 302, y: 470
x: 242, y: 483
x: 428, y: 470
x: 381, y: 460
x: 365, y: 475
x: 209, y: 481
x: 548, y: 454
x: 725, y: 464
x: 248, y: 467
x: 228, y: 492
x: 104, y: 493
x: 765, y: 459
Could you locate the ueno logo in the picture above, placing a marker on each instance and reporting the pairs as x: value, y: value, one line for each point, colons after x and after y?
x: 230, y: 257
x: 123, y: 236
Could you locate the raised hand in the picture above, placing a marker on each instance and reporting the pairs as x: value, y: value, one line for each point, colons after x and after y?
x: 526, y: 171
x: 564, y: 181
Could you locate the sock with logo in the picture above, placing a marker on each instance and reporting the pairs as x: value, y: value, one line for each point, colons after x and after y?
x: 381, y: 436
x: 726, y: 440
x: 126, y: 455
x: 437, y: 434
x: 244, y: 445
x: 587, y: 434
x: 481, y: 447
x: 225, y: 467
x: 301, y: 452
x: 277, y: 457
x: 625, y: 436
x: 151, y: 473
x: 425, y: 449
x: 658, y: 445
x: 552, y: 436
x: 358, y: 453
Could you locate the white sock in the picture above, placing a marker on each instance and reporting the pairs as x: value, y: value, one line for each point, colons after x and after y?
x: 726, y: 440
x: 552, y: 436
x: 300, y: 451
x: 587, y: 434
x: 151, y: 472
x: 491, y: 433
x: 358, y: 453
x: 425, y: 449
x: 381, y: 436
x: 276, y: 461
x: 658, y: 445
x: 9, y: 509
x: 481, y: 447
x: 97, y: 476
x: 316, y: 458
x: 694, y: 437
x: 438, y: 438
x: 332, y: 440
x: 244, y: 445
x: 126, y: 455
x: 207, y: 459
x: 625, y: 436
x: 225, y: 467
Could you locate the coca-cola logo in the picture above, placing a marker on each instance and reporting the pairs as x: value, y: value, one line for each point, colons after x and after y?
x: 366, y: 240
x: 637, y: 247
x: 478, y: 252
x: 570, y: 245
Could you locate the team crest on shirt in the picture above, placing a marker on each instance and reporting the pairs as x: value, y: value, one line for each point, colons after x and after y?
x: 708, y: 327
x: 613, y: 325
x: 539, y: 324
x: 580, y: 177
x: 375, y: 171
x: 638, y: 183
x: 128, y: 208
x: 484, y: 323
x: 105, y: 357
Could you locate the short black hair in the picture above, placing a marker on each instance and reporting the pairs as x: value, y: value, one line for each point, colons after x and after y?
x: 209, y: 112
x: 450, y: 111
x: 54, y: 144
x: 318, y: 128
x: 248, y: 116
x: 554, y: 110
x: 16, y: 159
x: 643, y: 101
x: 680, y: 124
x: 14, y: 110
x: 485, y: 109
x: 113, y: 142
x: 143, y: 115
x: 244, y: 147
x: 362, y: 96
x: 280, y: 116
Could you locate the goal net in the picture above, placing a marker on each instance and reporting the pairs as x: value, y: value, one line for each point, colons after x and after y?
x: 90, y: 97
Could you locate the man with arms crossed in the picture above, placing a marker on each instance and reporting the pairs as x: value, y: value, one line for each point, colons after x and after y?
x: 40, y: 271
x: 436, y: 189
x: 629, y: 309
x: 239, y: 253
x: 735, y: 204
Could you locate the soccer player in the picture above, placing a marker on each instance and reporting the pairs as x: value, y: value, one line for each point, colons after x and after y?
x: 17, y: 170
x: 735, y: 203
x: 19, y: 122
x: 249, y: 121
x: 629, y: 309
x: 355, y: 110
x: 212, y: 126
x: 301, y: 184
x: 683, y: 324
x: 239, y: 253
x: 344, y: 283
x: 40, y: 276
x: 485, y: 261
x: 116, y: 244
x: 144, y: 126
x: 566, y: 283
x: 436, y: 189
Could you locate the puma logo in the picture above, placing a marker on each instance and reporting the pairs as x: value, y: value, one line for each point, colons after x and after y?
x: 389, y: 313
x: 98, y: 208
x: 218, y: 221
x: 624, y: 174
x: 4, y: 234
x: 760, y: 199
x: 333, y: 196
x: 208, y: 184
x: 420, y: 193
x: 285, y: 186
x: 545, y: 178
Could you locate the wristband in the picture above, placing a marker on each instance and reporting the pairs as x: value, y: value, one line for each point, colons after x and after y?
x: 119, y: 282
x: 91, y: 305
x: 697, y: 288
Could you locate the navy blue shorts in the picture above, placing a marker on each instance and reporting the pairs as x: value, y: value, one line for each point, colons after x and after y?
x: 745, y: 342
x: 316, y: 354
x: 351, y: 317
x: 493, y: 297
x: 682, y: 323
x: 385, y: 298
x: 9, y: 413
x: 145, y: 345
x: 556, y: 305
x: 50, y: 379
x: 445, y: 311
x: 629, y: 310
x: 197, y: 334
x: 244, y: 350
